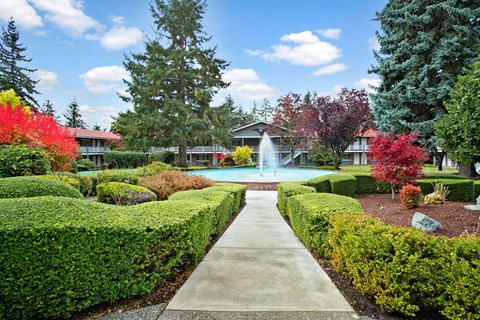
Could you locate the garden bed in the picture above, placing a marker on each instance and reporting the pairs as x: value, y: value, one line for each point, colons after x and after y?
x: 455, y: 219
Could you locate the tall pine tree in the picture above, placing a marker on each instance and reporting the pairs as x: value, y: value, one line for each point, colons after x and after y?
x: 424, y: 46
x: 12, y: 74
x: 73, y: 117
x: 174, y: 80
x: 47, y: 109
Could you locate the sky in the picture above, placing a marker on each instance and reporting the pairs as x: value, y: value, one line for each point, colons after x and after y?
x: 273, y: 46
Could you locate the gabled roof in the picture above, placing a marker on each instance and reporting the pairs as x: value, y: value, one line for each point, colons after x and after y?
x: 370, y: 133
x: 92, y: 134
x: 251, y: 125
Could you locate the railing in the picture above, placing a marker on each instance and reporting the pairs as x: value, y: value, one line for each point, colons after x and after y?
x: 287, y: 159
x: 199, y: 149
x: 360, y: 148
x: 94, y: 150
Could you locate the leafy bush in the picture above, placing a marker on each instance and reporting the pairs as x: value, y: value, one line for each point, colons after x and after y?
x: 460, y: 189
x: 343, y: 184
x: 121, y: 193
x: 167, y: 157
x: 85, y: 164
x: 444, y: 176
x: 227, y: 161
x: 242, y: 154
x: 321, y: 184
x: 239, y: 192
x: 476, y: 189
x: 22, y: 187
x: 116, y: 176
x: 311, y: 215
x: 151, y: 169
x: 125, y: 159
x: 438, y: 196
x: 365, y: 184
x: 322, y: 156
x: 410, y: 196
x: 22, y: 160
x: 287, y: 189
x: 166, y: 183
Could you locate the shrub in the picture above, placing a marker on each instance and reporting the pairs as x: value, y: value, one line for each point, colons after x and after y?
x: 116, y: 176
x: 311, y: 215
x: 343, y: 184
x: 365, y: 184
x: 167, y: 157
x: 121, y: 193
x: 444, y: 176
x: 287, y: 189
x: 321, y: 184
x: 460, y: 189
x: 85, y: 164
x: 410, y: 196
x: 476, y: 189
x: 439, y: 194
x: 125, y: 159
x: 242, y: 154
x: 321, y: 156
x: 239, y: 192
x: 151, y: 169
x: 227, y: 161
x: 23, y: 187
x: 166, y: 183
x: 22, y: 160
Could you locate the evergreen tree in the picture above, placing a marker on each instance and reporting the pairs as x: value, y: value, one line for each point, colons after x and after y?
x: 47, y: 109
x: 174, y: 80
x: 424, y: 46
x: 12, y: 74
x: 96, y: 127
x: 265, y: 111
x: 73, y: 116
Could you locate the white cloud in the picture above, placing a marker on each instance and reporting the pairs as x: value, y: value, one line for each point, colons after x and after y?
x: 48, y: 81
x: 245, y: 85
x: 24, y: 14
x: 100, y: 115
x: 254, y: 52
x: 121, y: 37
x: 330, y: 33
x: 67, y: 15
x: 108, y: 79
x: 330, y: 69
x: 365, y: 83
x: 374, y: 44
x: 307, y: 50
x: 332, y: 92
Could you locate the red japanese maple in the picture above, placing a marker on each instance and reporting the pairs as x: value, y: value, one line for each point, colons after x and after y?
x: 397, y: 159
x: 37, y: 130
x: 219, y: 156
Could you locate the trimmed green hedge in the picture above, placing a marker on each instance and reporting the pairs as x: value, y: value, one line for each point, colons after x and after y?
x: 343, y: 184
x: 476, y: 189
x: 460, y: 189
x: 406, y: 270
x: 61, y: 255
x: 116, y: 176
x: 238, y: 191
x: 287, y: 189
x: 444, y: 176
x: 121, y: 193
x: 20, y: 187
x: 311, y: 215
x: 167, y: 157
x: 125, y: 159
x: 22, y: 161
x: 365, y: 184
x: 321, y: 184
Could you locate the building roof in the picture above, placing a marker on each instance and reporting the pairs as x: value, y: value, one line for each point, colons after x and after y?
x: 370, y: 133
x: 92, y: 134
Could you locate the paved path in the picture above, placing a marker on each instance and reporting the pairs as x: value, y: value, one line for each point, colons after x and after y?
x: 258, y: 269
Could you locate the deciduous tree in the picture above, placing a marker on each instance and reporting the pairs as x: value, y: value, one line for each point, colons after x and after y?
x: 397, y: 160
x: 173, y: 81
x: 337, y: 121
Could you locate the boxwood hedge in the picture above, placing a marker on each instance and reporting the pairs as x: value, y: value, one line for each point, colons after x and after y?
x: 20, y: 187
x: 460, y: 189
x: 121, y: 193
x: 321, y: 184
x: 343, y: 184
x: 61, y: 255
x: 287, y: 189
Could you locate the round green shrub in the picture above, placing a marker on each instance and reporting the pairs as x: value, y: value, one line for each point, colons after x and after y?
x: 24, y: 187
x: 151, y: 169
x: 85, y: 164
x: 167, y: 157
x: 116, y: 176
x: 123, y: 193
x: 22, y: 161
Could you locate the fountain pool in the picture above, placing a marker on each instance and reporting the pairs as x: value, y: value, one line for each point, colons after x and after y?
x: 253, y: 174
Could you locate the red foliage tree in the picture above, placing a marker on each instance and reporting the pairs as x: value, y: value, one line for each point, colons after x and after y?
x: 397, y: 159
x: 18, y: 126
x: 287, y: 122
x: 337, y: 121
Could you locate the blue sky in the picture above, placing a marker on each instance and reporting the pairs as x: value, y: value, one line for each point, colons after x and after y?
x: 273, y: 46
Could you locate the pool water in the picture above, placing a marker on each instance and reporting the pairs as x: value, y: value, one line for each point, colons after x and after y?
x: 253, y: 174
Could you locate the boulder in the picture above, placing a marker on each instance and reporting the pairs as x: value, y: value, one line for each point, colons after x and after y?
x: 425, y: 223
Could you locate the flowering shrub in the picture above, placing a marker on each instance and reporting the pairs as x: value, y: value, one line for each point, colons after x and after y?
x: 227, y: 160
x: 166, y: 183
x: 242, y: 154
x: 410, y: 196
x: 18, y: 126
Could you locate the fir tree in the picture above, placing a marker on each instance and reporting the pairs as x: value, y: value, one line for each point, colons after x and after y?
x: 73, y: 116
x: 96, y: 127
x: 12, y: 74
x: 174, y: 80
x: 47, y: 109
x: 424, y: 46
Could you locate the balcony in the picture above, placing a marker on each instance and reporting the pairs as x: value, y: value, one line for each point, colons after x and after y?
x: 358, y: 148
x: 94, y: 150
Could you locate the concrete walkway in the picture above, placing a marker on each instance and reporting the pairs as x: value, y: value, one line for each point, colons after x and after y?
x: 258, y: 269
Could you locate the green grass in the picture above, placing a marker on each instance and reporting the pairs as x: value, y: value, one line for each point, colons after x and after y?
x: 346, y: 169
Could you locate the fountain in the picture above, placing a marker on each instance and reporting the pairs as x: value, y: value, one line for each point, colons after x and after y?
x: 267, y: 154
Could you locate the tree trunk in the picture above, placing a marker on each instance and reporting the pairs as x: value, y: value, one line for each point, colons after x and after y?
x: 336, y: 160
x: 392, y: 186
x: 182, y: 154
x: 439, y: 157
x: 292, y: 153
x: 467, y: 170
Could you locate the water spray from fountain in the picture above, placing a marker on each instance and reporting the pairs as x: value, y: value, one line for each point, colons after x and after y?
x: 268, y: 154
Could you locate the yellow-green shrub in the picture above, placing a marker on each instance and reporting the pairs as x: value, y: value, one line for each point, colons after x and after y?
x: 121, y: 193
x: 19, y: 187
x: 287, y: 189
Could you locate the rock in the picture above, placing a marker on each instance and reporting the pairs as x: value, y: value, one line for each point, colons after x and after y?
x: 425, y: 223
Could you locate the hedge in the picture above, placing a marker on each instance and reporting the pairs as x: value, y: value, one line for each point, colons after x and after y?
x: 121, y: 193
x: 22, y: 187
x: 365, y: 184
x: 321, y: 184
x: 61, y: 255
x: 476, y: 189
x: 238, y: 191
x: 311, y: 214
x: 125, y: 159
x: 444, y: 176
x: 167, y: 157
x: 288, y: 189
x: 116, y: 176
x: 343, y: 184
x: 22, y: 161
x: 460, y: 189
x: 406, y: 270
